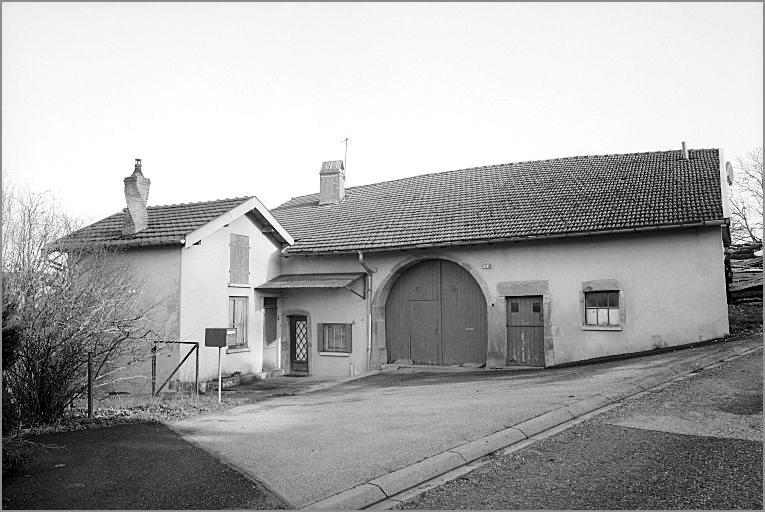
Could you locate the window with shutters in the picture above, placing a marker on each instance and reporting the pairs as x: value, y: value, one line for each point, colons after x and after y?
x: 335, y: 338
x: 239, y: 267
x: 269, y: 320
x: 237, y: 318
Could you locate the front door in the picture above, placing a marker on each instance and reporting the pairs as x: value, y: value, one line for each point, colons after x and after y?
x: 525, y: 331
x: 298, y: 344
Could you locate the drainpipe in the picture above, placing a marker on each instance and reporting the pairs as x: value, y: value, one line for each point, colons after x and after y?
x: 369, y: 272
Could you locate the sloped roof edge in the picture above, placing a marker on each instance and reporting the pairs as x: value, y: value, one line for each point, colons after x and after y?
x: 251, y: 204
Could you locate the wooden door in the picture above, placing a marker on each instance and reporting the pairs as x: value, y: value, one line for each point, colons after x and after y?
x: 298, y: 344
x: 525, y: 331
x: 425, y: 331
x: 436, y: 314
x: 463, y: 317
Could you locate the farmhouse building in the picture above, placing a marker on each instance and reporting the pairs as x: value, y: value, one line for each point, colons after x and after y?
x: 532, y: 263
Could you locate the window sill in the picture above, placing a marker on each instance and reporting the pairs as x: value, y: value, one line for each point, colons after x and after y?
x: 335, y: 354
x: 238, y: 285
x: 234, y: 350
x: 602, y: 328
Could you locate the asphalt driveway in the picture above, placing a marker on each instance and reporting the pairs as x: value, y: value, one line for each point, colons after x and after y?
x: 312, y: 446
x: 128, y: 467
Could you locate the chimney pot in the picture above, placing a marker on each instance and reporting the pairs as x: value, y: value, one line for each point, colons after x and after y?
x: 136, y: 196
x: 685, y: 152
x: 332, y: 182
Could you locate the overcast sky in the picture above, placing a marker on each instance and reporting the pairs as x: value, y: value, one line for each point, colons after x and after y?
x: 226, y: 100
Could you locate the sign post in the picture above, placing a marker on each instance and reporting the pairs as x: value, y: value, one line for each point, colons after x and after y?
x: 220, y: 337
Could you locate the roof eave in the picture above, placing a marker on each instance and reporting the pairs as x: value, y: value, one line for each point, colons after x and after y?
x: 252, y: 204
x: 552, y: 236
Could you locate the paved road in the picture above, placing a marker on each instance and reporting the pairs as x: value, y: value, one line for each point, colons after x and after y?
x: 135, y: 466
x: 694, y: 445
x: 312, y: 446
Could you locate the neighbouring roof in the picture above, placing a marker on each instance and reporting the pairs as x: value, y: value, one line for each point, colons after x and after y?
x: 336, y: 280
x: 515, y: 201
x: 168, y: 225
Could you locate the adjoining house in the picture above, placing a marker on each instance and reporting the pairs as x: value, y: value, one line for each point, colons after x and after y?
x: 530, y: 263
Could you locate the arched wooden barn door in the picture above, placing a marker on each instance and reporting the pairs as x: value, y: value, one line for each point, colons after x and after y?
x: 436, y: 314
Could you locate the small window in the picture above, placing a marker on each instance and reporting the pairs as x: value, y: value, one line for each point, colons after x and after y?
x: 335, y: 338
x: 536, y: 307
x: 602, y: 308
x: 514, y: 306
x: 239, y: 266
x: 237, y: 318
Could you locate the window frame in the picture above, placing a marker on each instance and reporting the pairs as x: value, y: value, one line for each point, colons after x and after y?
x: 346, y: 330
x: 598, y: 286
x: 232, y: 301
x: 608, y: 307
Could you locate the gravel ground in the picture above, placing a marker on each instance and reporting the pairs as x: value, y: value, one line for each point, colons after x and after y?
x: 136, y: 466
x: 602, y: 464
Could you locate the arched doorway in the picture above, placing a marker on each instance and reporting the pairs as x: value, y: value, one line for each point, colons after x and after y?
x: 436, y: 314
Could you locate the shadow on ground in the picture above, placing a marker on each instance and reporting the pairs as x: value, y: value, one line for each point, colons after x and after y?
x: 137, y: 466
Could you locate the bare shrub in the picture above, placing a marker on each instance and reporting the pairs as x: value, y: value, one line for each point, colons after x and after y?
x: 746, y: 198
x: 64, y: 305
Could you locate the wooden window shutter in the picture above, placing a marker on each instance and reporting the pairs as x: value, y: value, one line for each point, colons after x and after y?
x: 239, y: 270
x: 348, y: 330
x: 320, y: 337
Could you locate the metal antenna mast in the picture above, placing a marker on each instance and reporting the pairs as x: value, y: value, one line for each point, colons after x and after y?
x: 345, y: 159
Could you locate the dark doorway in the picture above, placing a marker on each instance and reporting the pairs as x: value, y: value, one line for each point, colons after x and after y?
x: 298, y: 344
x: 525, y: 331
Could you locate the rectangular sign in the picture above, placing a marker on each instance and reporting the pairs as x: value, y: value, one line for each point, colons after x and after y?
x: 220, y: 336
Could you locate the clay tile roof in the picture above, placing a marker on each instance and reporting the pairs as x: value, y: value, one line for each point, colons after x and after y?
x: 168, y: 225
x: 558, y: 197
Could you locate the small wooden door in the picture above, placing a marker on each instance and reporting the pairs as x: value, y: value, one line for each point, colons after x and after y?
x: 298, y: 344
x: 525, y: 331
x: 425, y: 331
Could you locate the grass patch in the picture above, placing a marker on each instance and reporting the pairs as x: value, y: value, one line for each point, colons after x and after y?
x: 19, y: 452
x: 745, y: 317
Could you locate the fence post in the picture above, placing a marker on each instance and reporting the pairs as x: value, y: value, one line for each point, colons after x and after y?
x: 154, y: 369
x: 196, y: 373
x: 90, y: 384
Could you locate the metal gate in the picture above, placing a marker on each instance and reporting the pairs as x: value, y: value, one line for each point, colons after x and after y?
x: 298, y: 344
x: 525, y: 331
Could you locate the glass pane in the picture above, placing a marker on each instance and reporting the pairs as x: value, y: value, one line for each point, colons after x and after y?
x: 613, y: 299
x: 589, y: 300
x: 602, y: 316
x: 513, y: 307
x: 591, y: 317
x: 536, y: 307
x: 613, y: 316
x: 602, y: 299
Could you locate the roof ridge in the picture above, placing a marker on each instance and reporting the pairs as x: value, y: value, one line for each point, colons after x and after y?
x: 493, y: 166
x: 243, y: 198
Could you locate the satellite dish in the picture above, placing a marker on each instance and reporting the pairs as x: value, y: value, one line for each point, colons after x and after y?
x: 729, y: 172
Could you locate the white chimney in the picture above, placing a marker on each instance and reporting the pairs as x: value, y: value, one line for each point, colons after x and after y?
x: 331, y: 182
x: 685, y: 152
x: 136, y: 196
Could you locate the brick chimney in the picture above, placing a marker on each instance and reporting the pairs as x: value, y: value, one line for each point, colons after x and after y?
x: 136, y: 195
x: 331, y: 182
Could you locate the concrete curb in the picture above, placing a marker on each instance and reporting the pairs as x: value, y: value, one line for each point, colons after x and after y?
x: 386, y: 487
